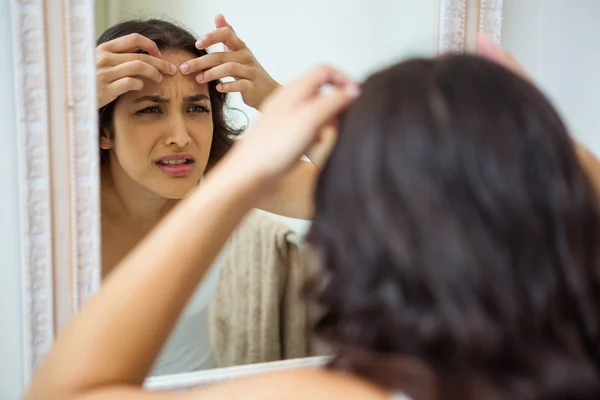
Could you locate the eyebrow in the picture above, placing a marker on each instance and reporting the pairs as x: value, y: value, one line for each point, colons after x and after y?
x: 196, y: 97
x: 159, y: 99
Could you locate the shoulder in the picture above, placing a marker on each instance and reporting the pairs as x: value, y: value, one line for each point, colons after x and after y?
x: 306, y: 383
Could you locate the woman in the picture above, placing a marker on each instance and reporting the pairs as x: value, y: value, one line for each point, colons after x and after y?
x: 457, y: 232
x: 163, y: 126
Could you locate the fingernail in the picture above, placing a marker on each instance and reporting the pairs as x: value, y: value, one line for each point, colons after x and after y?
x: 159, y: 54
x: 160, y: 77
x: 199, y: 44
x: 184, y: 68
x: 173, y: 68
x: 199, y: 78
x: 220, y: 87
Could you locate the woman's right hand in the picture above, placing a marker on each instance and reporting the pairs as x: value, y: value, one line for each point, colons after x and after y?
x: 301, y: 109
x: 120, y: 68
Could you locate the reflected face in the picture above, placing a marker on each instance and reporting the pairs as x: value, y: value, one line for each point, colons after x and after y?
x: 163, y: 133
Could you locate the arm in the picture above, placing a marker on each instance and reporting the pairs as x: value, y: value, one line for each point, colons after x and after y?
x: 294, y: 197
x: 136, y: 308
x: 295, y: 384
x: 107, y: 350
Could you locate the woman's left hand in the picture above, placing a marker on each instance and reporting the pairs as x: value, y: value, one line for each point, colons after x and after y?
x: 237, y: 61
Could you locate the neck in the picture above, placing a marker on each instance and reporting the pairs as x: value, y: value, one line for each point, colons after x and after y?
x: 125, y: 200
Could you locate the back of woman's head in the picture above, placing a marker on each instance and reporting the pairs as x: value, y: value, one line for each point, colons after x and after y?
x: 169, y: 36
x: 459, y: 239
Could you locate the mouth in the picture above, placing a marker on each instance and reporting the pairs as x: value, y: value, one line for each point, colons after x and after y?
x: 175, y: 162
x: 176, y: 165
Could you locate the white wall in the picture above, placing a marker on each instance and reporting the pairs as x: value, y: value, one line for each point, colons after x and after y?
x: 11, y: 368
x: 358, y: 36
x: 557, y: 42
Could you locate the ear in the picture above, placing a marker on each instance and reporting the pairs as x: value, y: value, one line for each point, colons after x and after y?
x: 105, y: 142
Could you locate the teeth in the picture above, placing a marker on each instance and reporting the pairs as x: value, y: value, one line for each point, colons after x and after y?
x: 174, y: 162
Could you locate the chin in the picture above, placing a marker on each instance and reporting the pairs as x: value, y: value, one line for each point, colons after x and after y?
x: 178, y: 191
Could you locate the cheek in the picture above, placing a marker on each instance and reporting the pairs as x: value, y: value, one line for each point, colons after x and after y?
x: 202, y: 135
x: 134, y: 144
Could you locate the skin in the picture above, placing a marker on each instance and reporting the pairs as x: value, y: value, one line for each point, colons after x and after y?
x: 131, y: 316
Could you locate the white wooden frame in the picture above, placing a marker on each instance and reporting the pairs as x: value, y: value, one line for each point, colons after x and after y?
x: 55, y: 90
x: 54, y: 64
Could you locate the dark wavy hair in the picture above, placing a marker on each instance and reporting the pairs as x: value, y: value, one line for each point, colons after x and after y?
x: 459, y: 239
x: 169, y: 36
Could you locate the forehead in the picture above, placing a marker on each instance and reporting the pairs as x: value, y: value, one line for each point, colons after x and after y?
x: 174, y: 87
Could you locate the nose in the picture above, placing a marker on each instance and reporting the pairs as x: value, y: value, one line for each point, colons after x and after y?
x: 178, y: 134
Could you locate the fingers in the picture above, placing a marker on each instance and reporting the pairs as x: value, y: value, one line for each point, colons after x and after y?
x: 241, y: 85
x: 235, y: 70
x: 121, y: 86
x: 136, y: 68
x: 120, y: 66
x: 214, y: 59
x: 310, y: 84
x: 220, y: 22
x: 326, y: 106
x: 224, y: 35
x: 129, y: 43
x: 162, y: 66
x: 488, y: 49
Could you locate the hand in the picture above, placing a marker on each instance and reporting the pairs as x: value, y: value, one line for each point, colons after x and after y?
x: 300, y: 109
x: 488, y: 49
x: 120, y: 68
x: 237, y: 61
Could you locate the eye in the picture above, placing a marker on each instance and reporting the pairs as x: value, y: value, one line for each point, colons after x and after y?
x: 197, y: 108
x: 150, y: 110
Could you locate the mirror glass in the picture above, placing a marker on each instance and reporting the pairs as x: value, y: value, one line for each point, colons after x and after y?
x: 161, y: 132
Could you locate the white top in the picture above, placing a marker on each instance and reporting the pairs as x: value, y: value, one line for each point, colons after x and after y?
x: 188, y: 347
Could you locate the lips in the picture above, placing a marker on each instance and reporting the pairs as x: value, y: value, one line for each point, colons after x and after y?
x: 176, y: 165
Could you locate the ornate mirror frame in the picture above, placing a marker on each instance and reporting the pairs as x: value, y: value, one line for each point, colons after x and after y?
x: 57, y: 145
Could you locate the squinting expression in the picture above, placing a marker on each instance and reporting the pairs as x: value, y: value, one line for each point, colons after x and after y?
x: 163, y: 133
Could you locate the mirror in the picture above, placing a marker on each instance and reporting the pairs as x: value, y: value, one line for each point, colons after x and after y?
x: 246, y: 310
x: 249, y: 309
